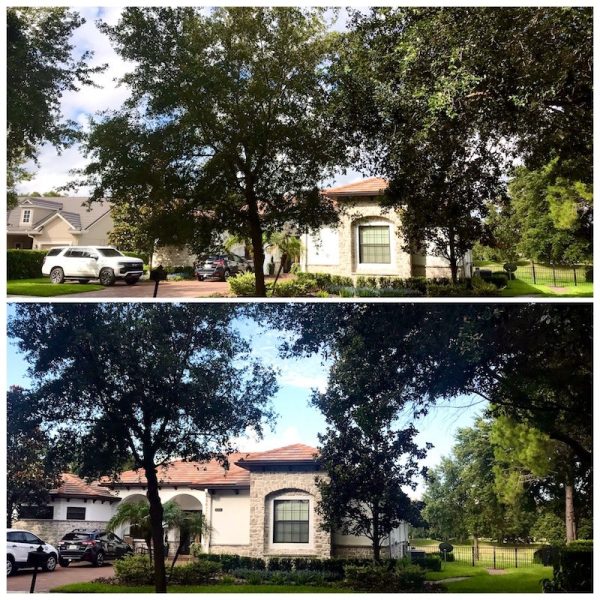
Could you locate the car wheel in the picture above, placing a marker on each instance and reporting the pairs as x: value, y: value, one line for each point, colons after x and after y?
x: 131, y: 280
x: 99, y: 560
x: 11, y: 568
x: 107, y: 276
x: 83, y: 280
x: 63, y: 562
x: 50, y: 563
x: 226, y: 275
x: 57, y: 275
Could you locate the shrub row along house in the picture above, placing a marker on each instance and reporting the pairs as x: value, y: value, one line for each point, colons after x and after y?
x: 263, y: 505
x: 366, y: 242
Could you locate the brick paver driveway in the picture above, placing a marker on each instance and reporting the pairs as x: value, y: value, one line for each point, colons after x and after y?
x: 21, y: 581
x: 166, y: 289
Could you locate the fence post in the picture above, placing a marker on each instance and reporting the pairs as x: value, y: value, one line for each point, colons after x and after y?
x: 575, y: 275
x: 554, y: 275
x: 516, y: 563
x: 473, y: 556
x: 494, y: 557
x: 533, y: 272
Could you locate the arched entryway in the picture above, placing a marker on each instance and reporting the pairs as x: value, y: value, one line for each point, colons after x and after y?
x: 183, y: 536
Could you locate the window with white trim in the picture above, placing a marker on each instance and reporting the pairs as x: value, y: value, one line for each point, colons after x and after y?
x: 26, y: 216
x: 76, y: 513
x: 290, y: 521
x: 374, y: 244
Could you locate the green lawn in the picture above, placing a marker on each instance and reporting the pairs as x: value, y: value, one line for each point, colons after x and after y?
x: 99, y: 588
x: 516, y: 287
x: 524, y: 580
x: 43, y: 287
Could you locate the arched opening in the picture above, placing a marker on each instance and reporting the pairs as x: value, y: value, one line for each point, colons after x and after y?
x: 131, y: 532
x: 187, y: 533
x: 289, y: 518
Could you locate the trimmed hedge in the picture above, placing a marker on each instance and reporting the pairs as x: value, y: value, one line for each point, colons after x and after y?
x: 194, y: 572
x: 134, y: 570
x: 573, y: 569
x: 24, y: 264
x: 378, y: 578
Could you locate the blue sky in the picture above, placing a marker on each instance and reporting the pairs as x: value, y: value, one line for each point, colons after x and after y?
x: 53, y: 168
x: 297, y: 420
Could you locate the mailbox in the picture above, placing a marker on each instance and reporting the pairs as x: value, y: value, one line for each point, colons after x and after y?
x: 38, y: 558
x: 158, y: 274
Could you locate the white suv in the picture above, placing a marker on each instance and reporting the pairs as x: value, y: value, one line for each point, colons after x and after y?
x: 94, y: 262
x: 19, y: 544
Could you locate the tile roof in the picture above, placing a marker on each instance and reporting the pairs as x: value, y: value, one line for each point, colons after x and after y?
x: 212, y: 473
x: 292, y: 453
x: 73, y: 486
x: 372, y: 186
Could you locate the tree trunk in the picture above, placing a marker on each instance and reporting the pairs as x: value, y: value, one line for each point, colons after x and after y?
x: 570, y: 511
x: 257, y: 244
x: 156, y: 523
x: 281, y: 261
x: 476, y: 546
x: 376, y: 537
x: 453, y: 261
x: 9, y: 514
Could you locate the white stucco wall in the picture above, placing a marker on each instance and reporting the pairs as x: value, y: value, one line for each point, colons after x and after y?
x: 97, y: 234
x: 94, y: 511
x: 56, y: 232
x: 322, y: 248
x: 230, y: 517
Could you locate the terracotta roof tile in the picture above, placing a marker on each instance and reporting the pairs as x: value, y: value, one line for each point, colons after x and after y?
x: 212, y: 473
x: 373, y: 186
x: 74, y: 486
x: 295, y: 452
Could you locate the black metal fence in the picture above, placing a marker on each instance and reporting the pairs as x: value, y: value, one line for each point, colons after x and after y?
x: 553, y: 275
x: 487, y: 556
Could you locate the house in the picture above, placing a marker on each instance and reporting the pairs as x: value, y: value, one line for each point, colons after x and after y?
x: 367, y: 241
x: 263, y: 505
x: 74, y: 504
x: 40, y: 223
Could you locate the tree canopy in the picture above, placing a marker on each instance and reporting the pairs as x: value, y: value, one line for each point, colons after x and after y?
x: 142, y: 382
x: 41, y: 66
x: 226, y: 126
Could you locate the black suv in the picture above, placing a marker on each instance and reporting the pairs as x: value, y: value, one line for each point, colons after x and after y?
x: 93, y: 546
x: 221, y: 266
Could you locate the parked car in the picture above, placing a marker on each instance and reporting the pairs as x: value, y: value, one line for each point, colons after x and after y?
x: 91, y: 545
x: 19, y: 543
x: 221, y: 266
x: 94, y: 262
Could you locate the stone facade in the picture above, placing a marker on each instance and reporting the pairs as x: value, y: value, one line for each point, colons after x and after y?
x: 357, y: 551
x: 263, y: 488
x: 241, y: 550
x: 52, y: 531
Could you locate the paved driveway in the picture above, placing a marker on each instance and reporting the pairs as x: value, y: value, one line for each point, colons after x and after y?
x: 166, y: 289
x: 21, y: 581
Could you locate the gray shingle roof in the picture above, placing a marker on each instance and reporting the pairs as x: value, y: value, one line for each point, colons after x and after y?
x: 73, y: 209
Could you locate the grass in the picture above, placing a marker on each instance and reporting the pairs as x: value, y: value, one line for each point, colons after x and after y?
x: 100, y: 588
x: 524, y: 580
x: 44, y: 288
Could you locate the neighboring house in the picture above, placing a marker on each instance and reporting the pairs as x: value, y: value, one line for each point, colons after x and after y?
x: 75, y: 504
x: 263, y: 505
x: 367, y: 240
x: 40, y: 223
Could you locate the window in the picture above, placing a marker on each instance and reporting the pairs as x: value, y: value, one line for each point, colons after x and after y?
x: 374, y: 244
x: 76, y: 513
x: 31, y: 539
x: 36, y: 512
x: 290, y: 521
x: 26, y: 216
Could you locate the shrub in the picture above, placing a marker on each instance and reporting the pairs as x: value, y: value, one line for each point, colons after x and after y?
x: 243, y: 285
x: 308, y: 564
x: 184, y: 272
x: 547, y: 556
x: 140, y: 255
x: 499, y: 279
x: 290, y: 289
x: 346, y: 292
x: 321, y: 294
x: 589, y: 274
x: 400, y: 293
x: 573, y: 570
x: 24, y: 264
x: 379, y: 578
x: 366, y: 292
x: 195, y: 572
x: 134, y: 570
x: 433, y: 563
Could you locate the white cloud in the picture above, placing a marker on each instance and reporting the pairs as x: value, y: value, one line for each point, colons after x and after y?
x: 303, y: 381
x: 290, y: 435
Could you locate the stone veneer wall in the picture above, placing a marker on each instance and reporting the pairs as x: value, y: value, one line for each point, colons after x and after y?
x: 241, y: 550
x: 357, y: 552
x: 290, y: 483
x: 52, y: 531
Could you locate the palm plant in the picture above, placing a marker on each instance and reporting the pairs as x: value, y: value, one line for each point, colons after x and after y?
x: 289, y: 246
